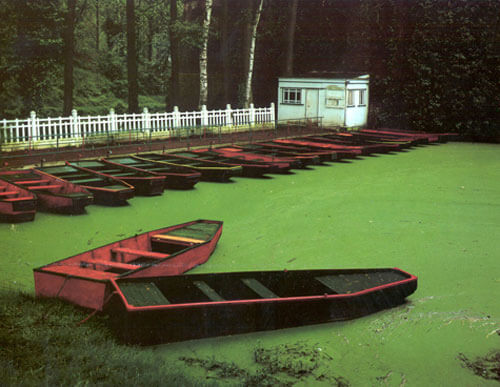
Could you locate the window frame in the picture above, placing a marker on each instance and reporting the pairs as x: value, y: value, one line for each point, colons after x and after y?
x: 286, y: 93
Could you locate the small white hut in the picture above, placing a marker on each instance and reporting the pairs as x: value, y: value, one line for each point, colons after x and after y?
x: 335, y: 99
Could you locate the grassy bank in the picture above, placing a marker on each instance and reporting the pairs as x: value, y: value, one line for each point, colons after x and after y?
x: 432, y: 211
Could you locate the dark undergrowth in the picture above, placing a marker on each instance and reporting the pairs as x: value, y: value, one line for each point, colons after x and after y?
x: 282, y: 365
x: 488, y: 367
x: 42, y: 343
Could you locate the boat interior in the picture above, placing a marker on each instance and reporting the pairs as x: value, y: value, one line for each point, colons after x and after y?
x: 206, y: 288
x: 134, y: 253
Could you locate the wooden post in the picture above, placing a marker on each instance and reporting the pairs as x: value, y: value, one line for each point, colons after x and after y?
x: 229, y: 115
x: 74, y: 124
x: 33, y: 128
x: 204, y: 115
x: 272, y: 112
x: 177, y: 117
x: 251, y: 115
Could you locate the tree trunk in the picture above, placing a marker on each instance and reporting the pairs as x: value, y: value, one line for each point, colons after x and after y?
x: 251, y: 56
x: 225, y: 51
x: 69, y: 51
x: 204, y: 55
x: 172, y: 98
x: 133, y: 88
x: 97, y: 31
x: 290, y: 37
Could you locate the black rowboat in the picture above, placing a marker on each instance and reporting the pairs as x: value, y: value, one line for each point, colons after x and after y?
x: 250, y: 168
x: 107, y: 190
x: 164, y: 309
x: 256, y: 148
x: 176, y: 177
x: 209, y: 171
x: 145, y: 183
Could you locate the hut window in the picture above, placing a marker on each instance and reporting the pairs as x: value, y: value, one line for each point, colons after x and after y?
x: 350, y: 97
x: 362, y: 97
x: 291, y: 96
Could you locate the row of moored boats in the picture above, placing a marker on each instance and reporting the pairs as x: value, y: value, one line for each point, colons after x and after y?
x: 71, y: 187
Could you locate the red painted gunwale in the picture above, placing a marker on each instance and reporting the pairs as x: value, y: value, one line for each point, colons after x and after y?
x: 89, y: 286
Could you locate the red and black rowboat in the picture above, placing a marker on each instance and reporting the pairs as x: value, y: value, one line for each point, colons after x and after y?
x: 16, y: 203
x: 107, y: 190
x: 420, y: 138
x: 365, y: 138
x: 164, y: 309
x: 144, y: 183
x: 366, y: 148
x: 209, y: 171
x: 256, y: 148
x: 239, y: 154
x: 342, y: 151
x: 84, y: 279
x: 441, y: 137
x: 250, y: 168
x: 176, y: 177
x: 53, y: 194
x: 323, y: 155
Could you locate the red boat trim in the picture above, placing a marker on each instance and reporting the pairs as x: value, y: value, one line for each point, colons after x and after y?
x: 132, y: 308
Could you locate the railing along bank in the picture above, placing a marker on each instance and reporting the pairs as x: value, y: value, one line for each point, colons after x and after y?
x: 41, y: 133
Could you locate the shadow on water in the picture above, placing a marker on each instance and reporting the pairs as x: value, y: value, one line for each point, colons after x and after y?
x: 258, y: 177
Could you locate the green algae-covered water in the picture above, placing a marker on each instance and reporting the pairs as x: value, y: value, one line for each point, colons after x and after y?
x: 433, y: 211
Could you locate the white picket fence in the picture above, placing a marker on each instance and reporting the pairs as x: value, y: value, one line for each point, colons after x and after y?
x: 75, y: 128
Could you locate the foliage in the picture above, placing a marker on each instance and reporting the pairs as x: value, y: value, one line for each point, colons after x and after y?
x: 42, y: 343
x: 31, y: 54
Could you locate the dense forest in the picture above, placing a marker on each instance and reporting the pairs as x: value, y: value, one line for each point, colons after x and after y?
x: 434, y: 64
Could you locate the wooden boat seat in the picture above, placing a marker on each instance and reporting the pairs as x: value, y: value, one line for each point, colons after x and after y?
x: 178, y: 238
x: 141, y: 253
x: 258, y: 288
x: 103, y: 262
x: 48, y: 186
x: 33, y: 181
x: 7, y: 193
x: 85, y: 181
x: 208, y: 291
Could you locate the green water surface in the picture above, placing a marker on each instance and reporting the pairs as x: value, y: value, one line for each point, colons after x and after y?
x: 433, y: 211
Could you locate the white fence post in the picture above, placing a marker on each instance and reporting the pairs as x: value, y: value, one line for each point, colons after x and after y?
x: 229, y: 115
x: 3, y: 136
x: 251, y: 115
x: 146, y: 120
x: 75, y: 132
x: 112, y: 120
x: 33, y: 131
x: 177, y: 117
x: 204, y: 115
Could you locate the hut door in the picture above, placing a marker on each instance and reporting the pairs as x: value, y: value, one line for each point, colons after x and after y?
x: 312, y: 103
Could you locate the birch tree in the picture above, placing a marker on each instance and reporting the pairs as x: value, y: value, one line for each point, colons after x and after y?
x: 247, y: 94
x: 69, y: 52
x: 204, y: 54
